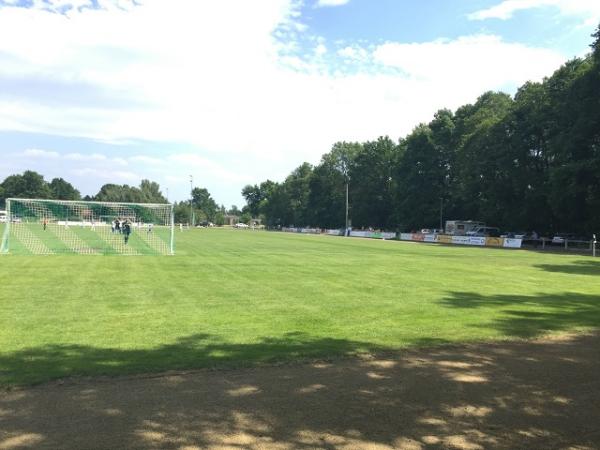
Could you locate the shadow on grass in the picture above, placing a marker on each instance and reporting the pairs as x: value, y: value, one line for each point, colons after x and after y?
x: 503, y: 395
x: 49, y: 362
x: 577, y: 268
x: 530, y: 316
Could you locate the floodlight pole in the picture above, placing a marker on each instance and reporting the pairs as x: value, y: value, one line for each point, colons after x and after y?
x: 594, y: 246
x: 191, y: 200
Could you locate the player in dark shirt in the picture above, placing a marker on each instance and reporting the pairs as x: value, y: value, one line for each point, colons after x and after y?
x: 126, y: 230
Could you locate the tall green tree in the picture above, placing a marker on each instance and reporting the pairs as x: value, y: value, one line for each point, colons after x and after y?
x: 28, y: 185
x: 150, y: 192
x: 420, y: 178
x: 371, y: 184
x: 297, y: 190
x: 63, y: 190
x: 204, y: 203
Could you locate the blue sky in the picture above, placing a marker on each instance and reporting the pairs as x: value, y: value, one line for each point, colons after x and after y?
x: 235, y: 92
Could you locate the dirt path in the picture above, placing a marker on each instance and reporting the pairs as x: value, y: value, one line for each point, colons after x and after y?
x: 520, y: 395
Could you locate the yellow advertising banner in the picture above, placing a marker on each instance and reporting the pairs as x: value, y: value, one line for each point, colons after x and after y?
x: 494, y: 242
x: 444, y: 239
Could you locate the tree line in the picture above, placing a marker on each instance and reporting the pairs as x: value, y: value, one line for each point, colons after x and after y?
x: 528, y: 162
x: 204, y: 208
x: 31, y: 184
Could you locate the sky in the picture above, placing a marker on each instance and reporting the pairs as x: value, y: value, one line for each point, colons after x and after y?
x: 234, y: 92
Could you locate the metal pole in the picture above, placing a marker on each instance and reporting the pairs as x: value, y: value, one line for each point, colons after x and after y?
x: 441, y: 213
x: 191, y: 200
x: 594, y: 246
x: 346, y: 230
x: 4, y: 245
x: 172, y: 231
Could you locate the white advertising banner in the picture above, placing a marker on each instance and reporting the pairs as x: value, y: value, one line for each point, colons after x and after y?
x: 388, y: 235
x: 360, y: 233
x: 406, y: 236
x: 430, y: 238
x: 461, y: 240
x: 512, y: 243
x: 310, y: 230
x: 476, y: 240
x: 335, y: 232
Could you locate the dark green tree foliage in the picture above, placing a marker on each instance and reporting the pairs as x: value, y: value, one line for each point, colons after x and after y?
x: 327, y: 186
x: 63, y: 190
x: 253, y: 196
x: 256, y: 197
x: 276, y: 206
x: 148, y: 192
x: 204, y: 204
x: 475, y: 157
x: 372, y: 184
x: 29, y: 185
x: 181, y: 212
x: 296, y: 186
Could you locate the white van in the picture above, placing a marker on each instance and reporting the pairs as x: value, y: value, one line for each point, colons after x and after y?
x: 462, y: 227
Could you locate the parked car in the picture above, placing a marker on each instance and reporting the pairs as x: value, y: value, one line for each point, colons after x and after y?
x: 205, y: 224
x: 241, y: 225
x: 516, y: 235
x: 560, y: 238
x: 431, y: 231
x: 484, y: 232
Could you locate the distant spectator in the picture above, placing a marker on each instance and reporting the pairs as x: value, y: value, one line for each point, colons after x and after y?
x: 534, y: 238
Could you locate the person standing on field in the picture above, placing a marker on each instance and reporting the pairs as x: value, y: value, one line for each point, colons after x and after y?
x: 45, y: 223
x: 126, y: 230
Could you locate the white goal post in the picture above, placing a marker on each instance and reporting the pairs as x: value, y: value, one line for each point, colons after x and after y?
x: 38, y: 226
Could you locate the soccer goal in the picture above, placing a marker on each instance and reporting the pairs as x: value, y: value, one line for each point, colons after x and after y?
x: 45, y: 227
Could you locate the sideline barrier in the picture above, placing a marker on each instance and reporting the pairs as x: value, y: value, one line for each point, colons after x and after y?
x: 373, y: 234
x: 478, y: 241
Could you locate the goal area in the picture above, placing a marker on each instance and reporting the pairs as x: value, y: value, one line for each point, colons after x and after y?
x: 46, y: 227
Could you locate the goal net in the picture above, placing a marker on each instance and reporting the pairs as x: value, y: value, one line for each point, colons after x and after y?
x: 45, y: 227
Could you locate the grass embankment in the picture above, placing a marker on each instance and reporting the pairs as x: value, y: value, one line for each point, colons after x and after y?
x: 238, y: 297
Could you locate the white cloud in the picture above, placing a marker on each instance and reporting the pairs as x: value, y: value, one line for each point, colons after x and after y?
x: 353, y: 52
x: 323, y: 3
x: 84, y: 157
x: 588, y: 9
x: 37, y: 153
x: 143, y: 159
x: 320, y: 50
x: 189, y: 162
x: 469, y: 63
x: 221, y: 84
x: 114, y: 176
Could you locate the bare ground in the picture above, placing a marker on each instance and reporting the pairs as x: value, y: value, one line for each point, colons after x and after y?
x: 542, y: 394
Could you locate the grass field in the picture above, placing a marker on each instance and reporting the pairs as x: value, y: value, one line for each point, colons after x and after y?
x: 238, y: 297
